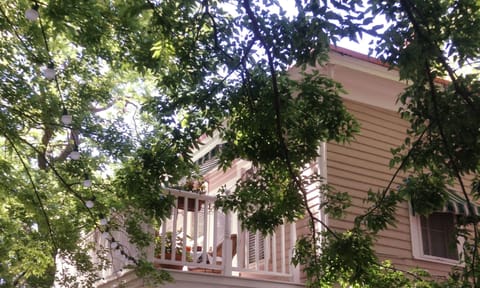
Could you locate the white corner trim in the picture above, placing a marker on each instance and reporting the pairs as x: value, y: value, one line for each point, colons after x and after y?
x: 322, y: 168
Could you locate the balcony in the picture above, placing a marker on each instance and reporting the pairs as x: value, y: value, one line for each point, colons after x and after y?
x: 199, y: 243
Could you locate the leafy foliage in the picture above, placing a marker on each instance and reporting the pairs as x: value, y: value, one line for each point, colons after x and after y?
x: 144, y: 80
x: 348, y: 260
x: 381, y: 213
x: 261, y: 205
x: 334, y: 202
x: 427, y: 193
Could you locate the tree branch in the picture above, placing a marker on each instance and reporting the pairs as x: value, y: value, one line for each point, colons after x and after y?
x: 47, y: 135
x: 454, y: 166
x: 35, y: 190
x: 408, y: 8
x: 278, y: 122
x: 394, y: 176
x: 26, y: 47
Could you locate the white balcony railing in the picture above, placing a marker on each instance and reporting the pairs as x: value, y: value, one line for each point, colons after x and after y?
x: 199, y: 238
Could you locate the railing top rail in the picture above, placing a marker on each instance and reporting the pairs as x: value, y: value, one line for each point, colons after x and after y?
x: 190, y: 194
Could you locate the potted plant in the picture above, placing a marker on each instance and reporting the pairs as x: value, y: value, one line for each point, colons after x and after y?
x: 194, y: 184
x: 170, y: 253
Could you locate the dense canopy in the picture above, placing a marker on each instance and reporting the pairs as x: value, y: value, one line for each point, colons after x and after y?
x: 102, y: 101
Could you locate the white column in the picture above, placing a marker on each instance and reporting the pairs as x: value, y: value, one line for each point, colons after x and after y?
x: 322, y: 168
x: 227, y: 244
x: 295, y: 270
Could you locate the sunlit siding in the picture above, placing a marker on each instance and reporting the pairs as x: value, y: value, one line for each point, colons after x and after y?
x: 363, y: 165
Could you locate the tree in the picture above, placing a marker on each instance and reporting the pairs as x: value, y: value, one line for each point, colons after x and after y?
x: 45, y: 209
x: 180, y: 69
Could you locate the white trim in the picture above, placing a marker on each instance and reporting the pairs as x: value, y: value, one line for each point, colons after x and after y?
x: 206, y: 145
x: 294, y: 269
x: 417, y: 243
x: 322, y: 168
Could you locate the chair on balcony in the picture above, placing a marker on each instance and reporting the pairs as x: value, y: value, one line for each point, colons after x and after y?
x: 219, y: 257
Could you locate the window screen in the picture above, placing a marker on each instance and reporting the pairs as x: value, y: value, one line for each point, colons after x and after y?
x: 438, y: 235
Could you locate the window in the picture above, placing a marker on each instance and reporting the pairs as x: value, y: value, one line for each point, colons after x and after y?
x: 433, y: 237
x: 438, y: 235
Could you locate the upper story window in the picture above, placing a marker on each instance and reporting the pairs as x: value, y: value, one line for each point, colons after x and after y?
x: 434, y: 236
x: 438, y: 235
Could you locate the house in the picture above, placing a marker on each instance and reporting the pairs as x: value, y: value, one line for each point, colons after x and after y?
x: 215, y: 252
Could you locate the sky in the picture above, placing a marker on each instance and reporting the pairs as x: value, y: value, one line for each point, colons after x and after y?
x: 362, y: 46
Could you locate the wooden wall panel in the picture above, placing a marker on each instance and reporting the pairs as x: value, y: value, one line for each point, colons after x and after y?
x: 362, y: 165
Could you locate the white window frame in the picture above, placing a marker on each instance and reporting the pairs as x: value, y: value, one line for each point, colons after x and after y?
x: 417, y: 244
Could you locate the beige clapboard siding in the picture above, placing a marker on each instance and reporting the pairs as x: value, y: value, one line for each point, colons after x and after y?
x: 369, y: 167
x: 363, y: 164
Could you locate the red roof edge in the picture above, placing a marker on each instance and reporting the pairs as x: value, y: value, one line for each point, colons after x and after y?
x: 357, y: 55
x: 373, y: 60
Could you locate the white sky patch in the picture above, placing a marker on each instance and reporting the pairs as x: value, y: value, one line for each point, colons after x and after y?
x: 362, y: 46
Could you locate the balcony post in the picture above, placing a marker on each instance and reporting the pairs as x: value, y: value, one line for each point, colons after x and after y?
x: 294, y: 270
x: 227, y: 241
